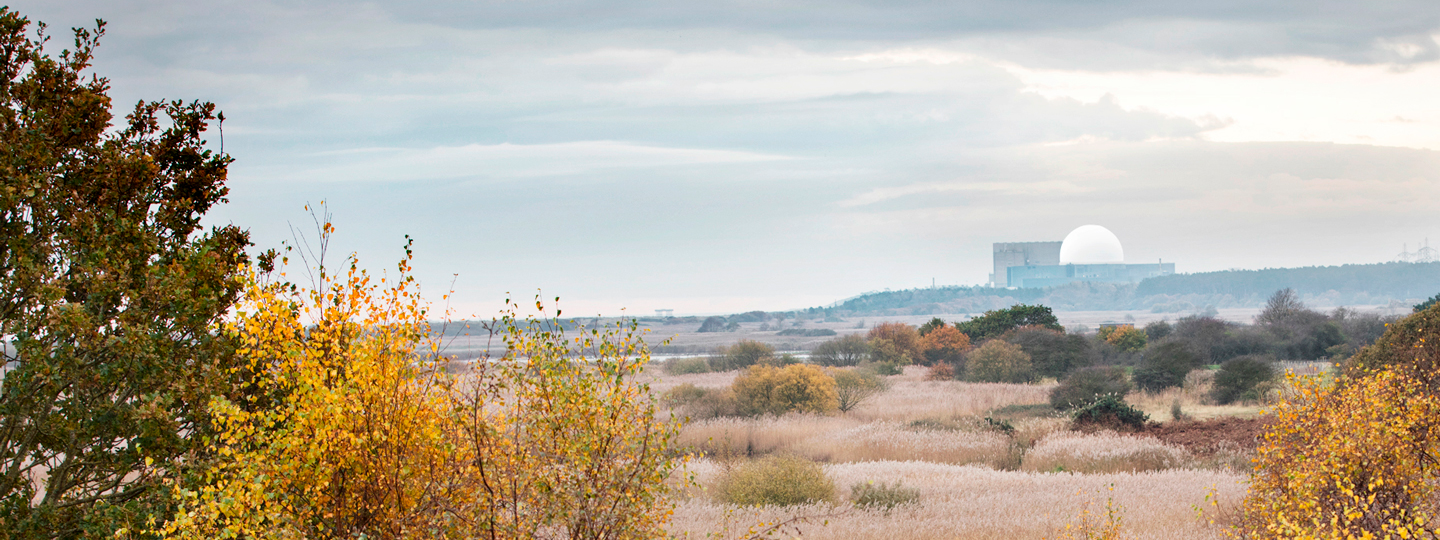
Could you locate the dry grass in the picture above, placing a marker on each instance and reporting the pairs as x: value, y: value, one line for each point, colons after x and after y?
x: 1104, y: 452
x: 911, y: 398
x: 840, y: 439
x: 975, y: 502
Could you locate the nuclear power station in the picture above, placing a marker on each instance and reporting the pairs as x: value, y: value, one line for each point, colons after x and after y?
x: 1090, y: 253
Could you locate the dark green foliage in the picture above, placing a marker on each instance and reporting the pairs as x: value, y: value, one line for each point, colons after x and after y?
x: 741, y: 355
x: 1165, y: 366
x: 1157, y: 330
x: 994, y: 323
x: 110, y: 293
x: 883, y: 496
x: 1110, y: 412
x: 1086, y: 385
x: 1238, y: 378
x: 849, y: 350
x: 1052, y: 353
x: 931, y: 325
x: 1426, y: 304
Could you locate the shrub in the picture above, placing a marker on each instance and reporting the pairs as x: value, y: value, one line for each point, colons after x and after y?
x: 999, y: 361
x: 1110, y: 412
x: 1405, y: 347
x: 1126, y: 338
x: 1086, y: 385
x: 997, y: 322
x: 944, y: 345
x: 884, y: 350
x: 776, y: 480
x: 882, y: 495
x: 742, y: 354
x: 884, y: 368
x: 1157, y: 330
x: 854, y: 386
x: 770, y: 390
x: 902, y: 336
x: 686, y: 365
x: 849, y: 350
x: 712, y: 324
x: 1349, y: 461
x: 1165, y: 366
x: 1242, y: 379
x: 1052, y: 352
x: 701, y: 403
x: 940, y: 372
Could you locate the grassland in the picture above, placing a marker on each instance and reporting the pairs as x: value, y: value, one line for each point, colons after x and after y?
x: 974, y: 481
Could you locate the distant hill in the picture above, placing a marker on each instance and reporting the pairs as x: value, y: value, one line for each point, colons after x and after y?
x: 1351, y: 284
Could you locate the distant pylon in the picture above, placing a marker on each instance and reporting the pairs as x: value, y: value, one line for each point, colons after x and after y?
x: 1405, y: 254
x: 1427, y: 253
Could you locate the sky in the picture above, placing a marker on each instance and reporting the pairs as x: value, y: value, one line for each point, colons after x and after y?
x: 733, y: 155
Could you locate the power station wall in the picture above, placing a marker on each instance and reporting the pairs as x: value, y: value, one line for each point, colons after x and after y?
x: 1008, y: 254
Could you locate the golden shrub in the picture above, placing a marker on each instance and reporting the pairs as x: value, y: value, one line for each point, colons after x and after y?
x: 781, y: 480
x: 1351, y: 461
x: 355, y: 432
x: 999, y: 361
x: 799, y: 387
x: 904, y: 337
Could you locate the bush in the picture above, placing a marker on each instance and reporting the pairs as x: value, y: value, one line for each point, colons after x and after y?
x: 884, y: 350
x: 712, y: 324
x: 882, y: 495
x: 999, y: 361
x: 1126, y: 338
x: 854, y: 386
x: 903, y: 337
x: 849, y: 350
x: 944, y: 345
x: 770, y: 390
x: 1409, y: 345
x: 1053, y: 353
x: 884, y: 368
x: 940, y: 372
x: 1165, y: 366
x: 776, y: 480
x: 1110, y: 412
x: 1355, y: 460
x: 699, y: 403
x: 686, y: 365
x: 742, y: 354
x: 1157, y: 330
x: 997, y: 322
x: 1242, y: 379
x: 1086, y: 385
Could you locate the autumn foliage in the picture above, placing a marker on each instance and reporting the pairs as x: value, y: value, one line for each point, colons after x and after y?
x: 355, y: 431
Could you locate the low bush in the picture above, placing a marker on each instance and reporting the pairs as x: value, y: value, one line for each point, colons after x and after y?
x: 776, y: 481
x: 700, y: 403
x: 766, y: 389
x: 1126, y: 338
x: 882, y: 495
x: 1086, y: 385
x: 855, y: 386
x: 741, y: 355
x: 849, y: 350
x: 884, y: 368
x: 1165, y: 366
x: 686, y: 365
x: 1110, y: 412
x: 999, y: 361
x: 1244, y: 378
x: 903, y: 336
x: 940, y: 372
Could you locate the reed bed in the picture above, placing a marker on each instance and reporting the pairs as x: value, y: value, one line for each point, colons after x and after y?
x: 963, y: 501
x: 842, y: 439
x: 911, y: 398
x: 1103, y: 452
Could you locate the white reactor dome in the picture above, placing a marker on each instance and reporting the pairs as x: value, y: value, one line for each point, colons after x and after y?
x: 1091, y: 244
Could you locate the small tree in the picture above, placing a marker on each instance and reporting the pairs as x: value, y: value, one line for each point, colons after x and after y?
x: 903, y: 336
x: 854, y: 386
x: 1126, y: 337
x: 999, y: 361
x: 994, y: 323
x: 944, y: 345
x: 763, y: 389
x: 1086, y: 385
x: 1242, y: 378
x: 742, y: 354
x: 1054, y: 353
x: 1165, y: 366
x: 849, y: 350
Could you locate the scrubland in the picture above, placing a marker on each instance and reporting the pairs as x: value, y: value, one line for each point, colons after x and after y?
x: 973, y: 481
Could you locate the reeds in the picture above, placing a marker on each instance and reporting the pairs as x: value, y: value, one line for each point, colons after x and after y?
x: 1103, y: 452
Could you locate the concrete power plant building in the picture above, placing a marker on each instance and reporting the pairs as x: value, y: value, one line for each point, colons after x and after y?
x: 1090, y: 253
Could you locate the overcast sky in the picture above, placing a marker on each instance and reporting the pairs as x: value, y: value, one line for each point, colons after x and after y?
x: 730, y: 155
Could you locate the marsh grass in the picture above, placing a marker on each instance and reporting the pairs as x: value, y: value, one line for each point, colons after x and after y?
x: 1103, y: 452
